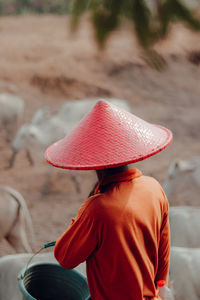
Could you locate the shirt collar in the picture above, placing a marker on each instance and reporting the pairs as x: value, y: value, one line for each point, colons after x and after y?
x: 119, y: 177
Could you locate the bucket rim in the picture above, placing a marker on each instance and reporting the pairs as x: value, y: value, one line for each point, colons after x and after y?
x: 23, y: 271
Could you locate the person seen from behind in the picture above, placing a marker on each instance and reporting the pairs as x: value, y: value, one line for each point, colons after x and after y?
x: 122, y: 228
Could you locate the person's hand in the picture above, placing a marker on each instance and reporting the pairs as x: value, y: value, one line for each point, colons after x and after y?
x: 165, y: 293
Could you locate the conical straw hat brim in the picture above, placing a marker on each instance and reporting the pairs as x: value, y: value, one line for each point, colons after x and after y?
x: 106, y: 137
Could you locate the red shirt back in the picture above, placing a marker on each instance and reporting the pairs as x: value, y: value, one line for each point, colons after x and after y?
x: 123, y: 234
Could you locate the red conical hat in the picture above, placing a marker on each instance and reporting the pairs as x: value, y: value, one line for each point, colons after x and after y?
x: 106, y: 137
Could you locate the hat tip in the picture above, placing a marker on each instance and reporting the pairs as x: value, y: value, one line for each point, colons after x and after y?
x: 101, y: 102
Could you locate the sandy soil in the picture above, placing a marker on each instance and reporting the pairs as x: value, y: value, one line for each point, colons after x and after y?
x: 42, y: 62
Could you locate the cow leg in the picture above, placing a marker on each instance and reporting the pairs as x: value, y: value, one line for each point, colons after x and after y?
x: 12, y: 160
x: 29, y: 157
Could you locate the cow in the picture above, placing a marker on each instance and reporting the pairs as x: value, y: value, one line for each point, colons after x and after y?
x: 185, y: 226
x: 35, y: 137
x: 182, y: 185
x: 14, y: 218
x: 47, y: 128
x: 185, y: 273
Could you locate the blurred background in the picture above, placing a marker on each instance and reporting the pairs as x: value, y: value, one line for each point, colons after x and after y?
x: 45, y: 63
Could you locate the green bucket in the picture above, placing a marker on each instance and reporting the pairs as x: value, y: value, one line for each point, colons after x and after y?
x: 50, y: 281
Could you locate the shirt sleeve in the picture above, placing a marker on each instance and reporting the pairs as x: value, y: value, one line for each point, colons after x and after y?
x: 164, y: 246
x: 78, y: 242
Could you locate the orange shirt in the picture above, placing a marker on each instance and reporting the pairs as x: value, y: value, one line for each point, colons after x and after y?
x: 123, y: 234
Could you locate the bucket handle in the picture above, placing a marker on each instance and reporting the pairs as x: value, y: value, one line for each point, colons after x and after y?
x: 47, y: 245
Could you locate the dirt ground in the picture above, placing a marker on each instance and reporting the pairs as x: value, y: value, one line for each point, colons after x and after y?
x: 42, y: 62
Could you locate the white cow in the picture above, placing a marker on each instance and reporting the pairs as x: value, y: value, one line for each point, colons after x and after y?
x: 11, y: 114
x: 35, y: 137
x: 47, y: 128
x: 182, y: 185
x: 14, y: 218
x: 11, y: 265
x: 185, y: 273
x: 185, y: 226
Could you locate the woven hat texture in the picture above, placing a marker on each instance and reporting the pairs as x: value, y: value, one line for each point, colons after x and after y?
x: 106, y: 137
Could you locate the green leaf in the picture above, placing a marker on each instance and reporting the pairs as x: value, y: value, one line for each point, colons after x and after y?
x: 104, y: 22
x: 184, y: 14
x: 141, y: 17
x: 149, y: 26
x: 78, y: 7
x: 106, y: 18
x: 174, y: 10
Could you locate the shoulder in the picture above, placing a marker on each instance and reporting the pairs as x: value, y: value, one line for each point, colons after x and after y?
x: 151, y: 180
x: 155, y: 187
x: 149, y: 183
x: 91, y: 205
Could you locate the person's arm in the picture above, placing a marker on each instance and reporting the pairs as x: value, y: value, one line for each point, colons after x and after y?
x: 164, y: 247
x: 164, y: 256
x: 78, y: 242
